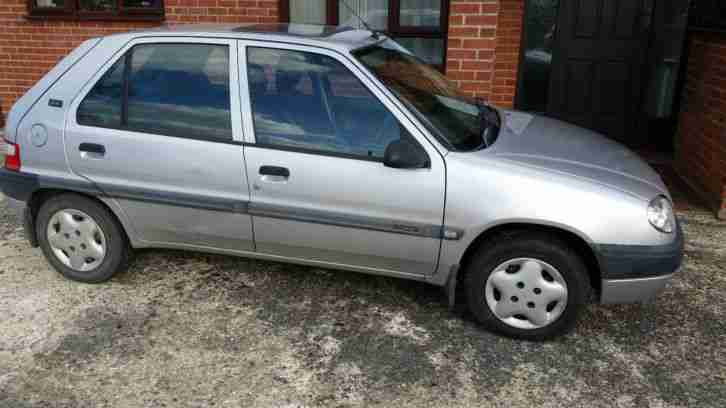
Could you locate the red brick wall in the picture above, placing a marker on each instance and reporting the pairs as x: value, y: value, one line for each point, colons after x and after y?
x: 701, y: 139
x: 483, y: 50
x: 29, y: 49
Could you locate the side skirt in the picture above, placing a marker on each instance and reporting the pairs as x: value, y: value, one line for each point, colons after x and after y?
x: 283, y: 259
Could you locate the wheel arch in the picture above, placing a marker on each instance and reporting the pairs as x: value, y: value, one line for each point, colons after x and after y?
x: 42, y: 195
x: 578, y: 243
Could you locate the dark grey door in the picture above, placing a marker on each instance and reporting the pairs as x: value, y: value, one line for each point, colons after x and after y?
x: 598, y: 64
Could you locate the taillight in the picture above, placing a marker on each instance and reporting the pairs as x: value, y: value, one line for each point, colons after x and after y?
x: 11, y: 151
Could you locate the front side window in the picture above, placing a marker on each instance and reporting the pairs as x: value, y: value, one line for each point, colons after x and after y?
x: 179, y: 90
x: 313, y: 102
x: 461, y: 123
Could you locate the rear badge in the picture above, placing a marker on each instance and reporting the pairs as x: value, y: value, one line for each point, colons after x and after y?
x: 56, y: 103
x: 38, y: 135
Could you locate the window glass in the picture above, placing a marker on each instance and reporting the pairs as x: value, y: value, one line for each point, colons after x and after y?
x: 141, y: 3
x: 309, y: 101
x: 308, y: 11
x: 180, y: 90
x: 540, y: 26
x: 50, y: 3
x: 431, y: 50
x: 420, y: 13
x: 97, y: 5
x: 102, y: 106
x: 460, y: 122
x: 374, y: 12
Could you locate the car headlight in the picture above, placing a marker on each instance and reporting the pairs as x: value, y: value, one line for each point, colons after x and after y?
x: 660, y: 215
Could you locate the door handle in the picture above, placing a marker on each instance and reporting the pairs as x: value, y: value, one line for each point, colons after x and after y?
x: 274, y: 174
x: 274, y: 171
x: 92, y: 150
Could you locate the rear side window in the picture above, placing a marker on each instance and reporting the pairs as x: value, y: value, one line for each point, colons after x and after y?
x: 179, y: 90
x: 102, y: 106
x: 312, y: 102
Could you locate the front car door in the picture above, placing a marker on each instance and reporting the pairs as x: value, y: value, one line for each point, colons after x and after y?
x: 158, y: 130
x: 316, y: 133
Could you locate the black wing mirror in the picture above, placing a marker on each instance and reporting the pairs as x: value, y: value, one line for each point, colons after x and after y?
x: 404, y: 154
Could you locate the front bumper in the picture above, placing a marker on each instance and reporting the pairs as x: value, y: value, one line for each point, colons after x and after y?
x: 637, y: 273
x: 632, y: 290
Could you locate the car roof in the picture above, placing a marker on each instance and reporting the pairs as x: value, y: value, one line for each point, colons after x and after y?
x: 336, y: 37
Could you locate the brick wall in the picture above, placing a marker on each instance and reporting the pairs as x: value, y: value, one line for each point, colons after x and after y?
x: 483, y: 50
x: 30, y: 48
x: 701, y: 139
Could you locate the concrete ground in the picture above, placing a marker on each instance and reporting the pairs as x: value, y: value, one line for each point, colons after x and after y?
x: 188, y: 329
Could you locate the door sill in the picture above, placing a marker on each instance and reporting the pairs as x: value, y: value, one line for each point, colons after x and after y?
x: 282, y: 259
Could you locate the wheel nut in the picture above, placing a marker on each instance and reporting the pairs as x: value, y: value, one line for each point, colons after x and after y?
x: 537, y: 291
x: 66, y: 236
x: 514, y: 299
x: 78, y: 233
x: 73, y: 249
x: 83, y: 246
x: 530, y: 305
x: 520, y: 285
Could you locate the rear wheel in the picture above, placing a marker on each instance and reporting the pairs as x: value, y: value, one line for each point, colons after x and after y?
x: 81, y: 239
x: 526, y: 285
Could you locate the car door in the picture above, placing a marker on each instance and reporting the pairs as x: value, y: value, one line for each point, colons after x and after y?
x: 316, y: 134
x: 158, y: 130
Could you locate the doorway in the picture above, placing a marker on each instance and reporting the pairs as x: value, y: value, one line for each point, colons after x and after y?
x: 602, y: 64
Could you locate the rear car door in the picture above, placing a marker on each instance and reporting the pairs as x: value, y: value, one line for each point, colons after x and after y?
x: 316, y: 137
x: 158, y: 129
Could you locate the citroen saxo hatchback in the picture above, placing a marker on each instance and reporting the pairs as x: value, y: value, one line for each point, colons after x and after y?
x: 335, y: 148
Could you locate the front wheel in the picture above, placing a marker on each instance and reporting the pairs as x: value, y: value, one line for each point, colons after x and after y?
x: 526, y: 285
x: 81, y: 239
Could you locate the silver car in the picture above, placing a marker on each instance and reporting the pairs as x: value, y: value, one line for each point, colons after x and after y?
x: 334, y: 148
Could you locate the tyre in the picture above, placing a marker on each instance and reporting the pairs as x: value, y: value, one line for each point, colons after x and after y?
x: 81, y: 239
x: 526, y: 285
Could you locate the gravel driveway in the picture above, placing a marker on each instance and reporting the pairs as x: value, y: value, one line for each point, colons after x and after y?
x: 187, y: 329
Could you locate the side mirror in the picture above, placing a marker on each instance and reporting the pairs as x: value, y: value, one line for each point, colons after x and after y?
x: 403, y: 154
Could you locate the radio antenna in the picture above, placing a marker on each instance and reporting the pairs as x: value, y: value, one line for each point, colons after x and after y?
x: 374, y: 33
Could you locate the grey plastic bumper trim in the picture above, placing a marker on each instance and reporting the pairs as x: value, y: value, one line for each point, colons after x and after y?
x: 632, y: 290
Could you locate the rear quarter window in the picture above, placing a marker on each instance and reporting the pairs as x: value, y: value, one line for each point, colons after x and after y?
x: 102, y: 106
